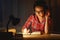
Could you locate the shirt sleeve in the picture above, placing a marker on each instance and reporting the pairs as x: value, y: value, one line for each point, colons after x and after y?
x: 27, y: 23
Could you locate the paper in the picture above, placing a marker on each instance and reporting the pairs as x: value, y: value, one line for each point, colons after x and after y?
x: 35, y: 33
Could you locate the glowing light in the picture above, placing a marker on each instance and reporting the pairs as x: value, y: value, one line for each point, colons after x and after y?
x: 27, y: 34
x: 12, y: 30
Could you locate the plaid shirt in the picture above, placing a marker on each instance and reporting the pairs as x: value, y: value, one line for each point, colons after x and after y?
x: 35, y: 24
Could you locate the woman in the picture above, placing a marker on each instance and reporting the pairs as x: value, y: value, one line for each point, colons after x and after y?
x: 39, y: 21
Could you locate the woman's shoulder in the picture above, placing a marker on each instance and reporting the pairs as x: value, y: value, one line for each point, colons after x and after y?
x: 31, y: 17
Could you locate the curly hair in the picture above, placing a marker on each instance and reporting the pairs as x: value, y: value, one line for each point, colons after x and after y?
x: 41, y: 3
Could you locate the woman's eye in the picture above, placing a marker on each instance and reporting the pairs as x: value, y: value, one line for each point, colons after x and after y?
x: 40, y: 11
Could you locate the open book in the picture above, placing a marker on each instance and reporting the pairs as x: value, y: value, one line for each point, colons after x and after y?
x: 35, y: 33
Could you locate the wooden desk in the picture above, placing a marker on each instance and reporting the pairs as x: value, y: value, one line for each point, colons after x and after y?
x: 40, y: 37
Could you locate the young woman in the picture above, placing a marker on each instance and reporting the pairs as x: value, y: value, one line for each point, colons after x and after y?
x: 39, y: 21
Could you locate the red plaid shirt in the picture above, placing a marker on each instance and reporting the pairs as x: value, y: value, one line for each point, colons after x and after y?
x: 35, y: 24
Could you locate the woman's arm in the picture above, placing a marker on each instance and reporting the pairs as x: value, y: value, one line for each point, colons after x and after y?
x: 27, y: 24
x: 46, y: 25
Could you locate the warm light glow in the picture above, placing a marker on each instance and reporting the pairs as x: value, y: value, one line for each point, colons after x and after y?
x: 32, y: 35
x: 12, y: 30
x: 27, y: 34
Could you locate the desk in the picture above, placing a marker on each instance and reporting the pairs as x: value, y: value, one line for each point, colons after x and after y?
x: 40, y: 37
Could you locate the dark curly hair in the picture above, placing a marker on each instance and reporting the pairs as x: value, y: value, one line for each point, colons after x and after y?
x: 41, y: 3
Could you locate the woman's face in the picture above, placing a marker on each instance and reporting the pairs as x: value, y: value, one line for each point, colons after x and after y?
x: 39, y: 10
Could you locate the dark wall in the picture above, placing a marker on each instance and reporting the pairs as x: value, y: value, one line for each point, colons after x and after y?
x: 0, y: 13
x: 19, y: 8
x: 24, y: 8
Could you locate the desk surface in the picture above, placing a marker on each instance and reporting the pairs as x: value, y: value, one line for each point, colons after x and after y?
x: 42, y: 37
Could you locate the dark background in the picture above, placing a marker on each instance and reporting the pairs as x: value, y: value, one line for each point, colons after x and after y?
x: 23, y: 8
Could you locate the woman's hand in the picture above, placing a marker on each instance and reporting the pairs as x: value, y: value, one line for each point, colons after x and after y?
x: 25, y: 31
x: 47, y: 15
